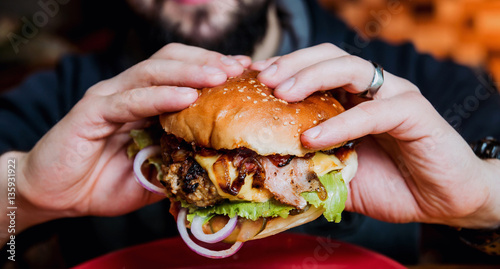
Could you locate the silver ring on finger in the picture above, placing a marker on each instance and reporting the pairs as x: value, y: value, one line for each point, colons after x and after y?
x: 377, y: 82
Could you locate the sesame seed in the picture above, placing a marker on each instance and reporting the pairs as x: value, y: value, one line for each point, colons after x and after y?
x: 263, y: 85
x: 252, y: 81
x: 298, y: 131
x: 249, y: 98
x: 224, y: 92
x: 255, y: 102
x: 319, y: 116
x: 297, y: 110
x: 326, y: 94
x: 225, y: 89
x: 323, y: 99
x: 315, y: 122
x: 276, y: 118
x: 285, y: 123
x: 240, y: 90
x: 292, y: 122
x: 263, y: 94
x: 265, y: 100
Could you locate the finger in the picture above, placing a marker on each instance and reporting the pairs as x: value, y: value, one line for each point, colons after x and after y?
x: 263, y: 64
x: 156, y: 72
x: 244, y: 60
x: 352, y: 73
x: 127, y: 127
x: 200, y: 56
x: 407, y: 117
x: 288, y: 65
x: 136, y: 104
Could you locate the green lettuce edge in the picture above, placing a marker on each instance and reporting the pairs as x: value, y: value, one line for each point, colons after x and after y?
x: 334, y: 204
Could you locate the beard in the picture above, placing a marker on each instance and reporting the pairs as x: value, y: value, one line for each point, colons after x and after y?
x: 243, y: 27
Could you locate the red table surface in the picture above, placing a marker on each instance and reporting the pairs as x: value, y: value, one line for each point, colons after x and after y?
x: 285, y: 250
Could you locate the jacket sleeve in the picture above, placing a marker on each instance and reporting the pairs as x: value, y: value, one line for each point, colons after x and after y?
x: 30, y: 110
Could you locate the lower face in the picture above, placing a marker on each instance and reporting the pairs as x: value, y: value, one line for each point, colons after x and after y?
x: 198, y: 21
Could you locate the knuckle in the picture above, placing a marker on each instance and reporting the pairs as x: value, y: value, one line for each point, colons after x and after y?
x: 327, y: 46
x: 147, y: 69
x: 412, y: 87
x: 170, y: 48
x: 98, y: 88
x: 414, y: 97
x: 332, y: 49
x: 367, y: 108
x: 354, y: 59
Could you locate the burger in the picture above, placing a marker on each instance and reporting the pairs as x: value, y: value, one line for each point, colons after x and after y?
x: 234, y: 168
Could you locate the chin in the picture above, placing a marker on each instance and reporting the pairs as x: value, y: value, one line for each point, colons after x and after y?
x: 197, y: 21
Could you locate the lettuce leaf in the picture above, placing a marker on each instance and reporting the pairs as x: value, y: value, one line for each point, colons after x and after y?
x: 141, y: 139
x: 334, y: 204
x: 249, y: 210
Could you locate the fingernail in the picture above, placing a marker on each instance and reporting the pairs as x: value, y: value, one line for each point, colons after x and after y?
x: 228, y: 61
x: 286, y: 86
x: 212, y: 70
x: 270, y: 71
x: 313, y: 132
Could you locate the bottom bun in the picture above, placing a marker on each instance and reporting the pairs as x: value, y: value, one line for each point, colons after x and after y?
x: 278, y: 225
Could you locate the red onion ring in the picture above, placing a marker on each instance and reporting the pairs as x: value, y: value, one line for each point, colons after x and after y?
x: 181, y: 226
x: 140, y: 158
x: 197, y: 230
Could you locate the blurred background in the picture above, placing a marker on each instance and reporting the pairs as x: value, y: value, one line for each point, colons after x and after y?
x: 34, y: 36
x: 467, y: 31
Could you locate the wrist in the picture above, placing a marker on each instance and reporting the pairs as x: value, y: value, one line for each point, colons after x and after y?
x: 490, y: 211
x: 487, y: 215
x: 19, y: 214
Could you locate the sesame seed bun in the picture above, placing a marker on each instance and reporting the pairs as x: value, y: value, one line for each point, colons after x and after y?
x: 243, y: 112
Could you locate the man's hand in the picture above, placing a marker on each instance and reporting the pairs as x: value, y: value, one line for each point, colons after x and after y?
x: 415, y: 167
x: 80, y: 167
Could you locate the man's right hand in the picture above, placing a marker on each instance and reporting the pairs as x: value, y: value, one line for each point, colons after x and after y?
x: 80, y: 166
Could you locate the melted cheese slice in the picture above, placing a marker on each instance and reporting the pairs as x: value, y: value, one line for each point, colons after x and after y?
x: 325, y: 163
x: 246, y: 193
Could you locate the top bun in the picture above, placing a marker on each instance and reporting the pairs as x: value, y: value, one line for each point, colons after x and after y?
x: 243, y: 112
